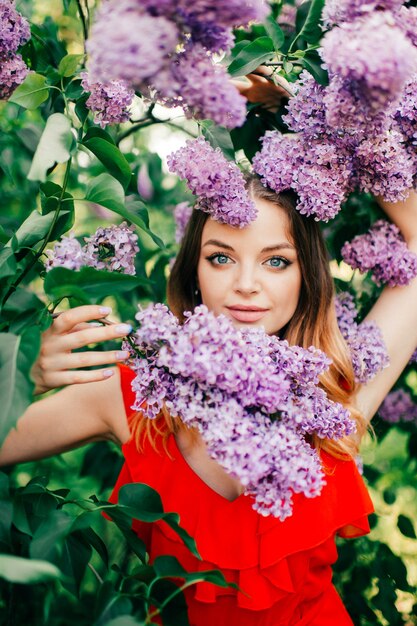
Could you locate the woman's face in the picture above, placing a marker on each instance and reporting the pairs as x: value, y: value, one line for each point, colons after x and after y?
x: 251, y: 275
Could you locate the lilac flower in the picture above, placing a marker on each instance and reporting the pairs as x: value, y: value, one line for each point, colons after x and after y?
x: 383, y: 166
x: 368, y: 351
x: 14, y: 29
x: 13, y: 71
x: 252, y: 397
x: 367, y: 347
x: 406, y: 113
x: 226, y: 14
x: 286, y: 18
x: 406, y: 20
x: 218, y: 183
x: 201, y: 87
x: 66, y: 253
x: 182, y: 214
x: 384, y: 252
x: 398, y: 406
x: 315, y: 169
x: 306, y: 110
x: 373, y: 53
x: 337, y: 11
x: 413, y: 358
x: 113, y: 248
x: 109, y: 102
x: 128, y: 45
x: 145, y: 186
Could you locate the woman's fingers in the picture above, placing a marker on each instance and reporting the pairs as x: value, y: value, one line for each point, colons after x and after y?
x: 76, y: 377
x: 60, y: 362
x: 82, y: 338
x: 67, y: 320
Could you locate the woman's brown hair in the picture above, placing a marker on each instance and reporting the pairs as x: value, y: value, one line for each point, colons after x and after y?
x: 313, y: 323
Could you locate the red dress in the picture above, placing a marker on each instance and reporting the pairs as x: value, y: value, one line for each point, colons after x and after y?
x: 284, y: 568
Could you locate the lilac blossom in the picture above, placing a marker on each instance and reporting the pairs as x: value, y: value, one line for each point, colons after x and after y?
x: 287, y: 17
x: 398, y: 406
x: 202, y: 87
x: 383, y: 166
x: 306, y: 110
x: 252, y: 397
x: 406, y: 112
x: 413, y: 358
x: 182, y: 214
x: 373, y: 53
x: 406, y: 20
x: 108, y: 101
x: 113, y: 248
x: 337, y: 11
x: 145, y: 186
x: 13, y: 71
x: 383, y: 251
x: 66, y: 253
x: 365, y: 341
x: 368, y: 351
x: 128, y: 45
x: 315, y: 169
x: 14, y: 29
x: 218, y: 184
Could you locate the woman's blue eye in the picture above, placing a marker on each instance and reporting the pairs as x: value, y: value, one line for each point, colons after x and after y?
x: 219, y: 259
x: 277, y: 261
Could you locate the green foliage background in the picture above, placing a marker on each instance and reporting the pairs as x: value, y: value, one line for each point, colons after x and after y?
x: 61, y: 562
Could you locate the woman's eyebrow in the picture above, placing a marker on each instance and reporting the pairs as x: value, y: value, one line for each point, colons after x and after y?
x: 278, y: 246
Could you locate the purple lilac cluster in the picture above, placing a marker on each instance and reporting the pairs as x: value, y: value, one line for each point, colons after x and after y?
x: 182, y: 214
x: 337, y: 11
x: 252, y: 397
x: 218, y: 184
x: 398, y: 406
x: 14, y: 32
x: 165, y: 50
x: 113, y: 248
x: 109, y: 102
x: 383, y: 251
x: 366, y: 344
x: 314, y: 168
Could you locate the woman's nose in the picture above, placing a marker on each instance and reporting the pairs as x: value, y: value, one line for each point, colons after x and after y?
x: 247, y: 281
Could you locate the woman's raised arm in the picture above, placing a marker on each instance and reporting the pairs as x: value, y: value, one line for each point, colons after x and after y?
x: 77, y: 415
x: 395, y: 312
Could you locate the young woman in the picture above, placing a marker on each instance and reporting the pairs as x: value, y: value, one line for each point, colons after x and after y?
x: 273, y: 273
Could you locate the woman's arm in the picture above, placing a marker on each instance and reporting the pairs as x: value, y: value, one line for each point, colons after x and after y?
x: 395, y: 312
x: 77, y: 415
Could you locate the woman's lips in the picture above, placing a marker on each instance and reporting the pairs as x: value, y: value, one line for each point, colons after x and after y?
x: 247, y: 314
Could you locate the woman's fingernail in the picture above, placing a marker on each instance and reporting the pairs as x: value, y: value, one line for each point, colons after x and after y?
x: 123, y: 329
x: 105, y: 310
x: 122, y: 355
x: 108, y: 373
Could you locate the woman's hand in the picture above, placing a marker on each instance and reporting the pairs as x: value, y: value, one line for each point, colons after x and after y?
x: 263, y: 88
x: 58, y: 366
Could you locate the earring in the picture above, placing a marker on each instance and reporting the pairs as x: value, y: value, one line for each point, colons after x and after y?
x: 196, y: 292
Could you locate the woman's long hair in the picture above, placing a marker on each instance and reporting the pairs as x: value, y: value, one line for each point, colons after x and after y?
x: 313, y: 323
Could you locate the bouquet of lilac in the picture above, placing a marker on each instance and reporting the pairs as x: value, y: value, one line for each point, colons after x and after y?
x: 113, y: 248
x: 253, y: 397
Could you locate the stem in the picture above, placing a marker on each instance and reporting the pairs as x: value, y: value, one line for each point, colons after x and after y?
x: 95, y: 572
x: 83, y: 21
x: 167, y: 600
x: 148, y: 121
x: 38, y: 254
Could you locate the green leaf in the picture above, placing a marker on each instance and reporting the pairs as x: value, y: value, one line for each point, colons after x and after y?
x: 275, y: 32
x: 27, y: 571
x: 89, y: 285
x: 17, y: 355
x: 107, y: 191
x: 406, y: 527
x: 32, y: 92
x: 313, y: 63
x: 124, y: 620
x: 218, y: 137
x: 144, y: 503
x: 311, y: 30
x: 47, y: 541
x: 7, y: 263
x: 36, y: 227
x: 169, y: 566
x: 68, y: 65
x: 54, y: 146
x: 251, y: 56
x: 110, y: 156
x: 49, y: 195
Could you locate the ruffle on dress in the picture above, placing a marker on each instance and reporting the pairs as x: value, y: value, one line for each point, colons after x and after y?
x: 274, y: 563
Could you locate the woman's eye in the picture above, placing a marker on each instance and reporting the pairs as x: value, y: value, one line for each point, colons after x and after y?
x: 218, y: 259
x: 277, y: 262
